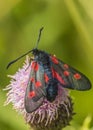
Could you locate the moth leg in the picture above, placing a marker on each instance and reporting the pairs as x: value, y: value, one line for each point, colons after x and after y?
x: 31, y: 59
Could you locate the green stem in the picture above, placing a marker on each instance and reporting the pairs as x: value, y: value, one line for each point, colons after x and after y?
x: 81, y: 28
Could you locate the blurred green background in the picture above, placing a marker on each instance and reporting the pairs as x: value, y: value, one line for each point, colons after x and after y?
x: 68, y: 30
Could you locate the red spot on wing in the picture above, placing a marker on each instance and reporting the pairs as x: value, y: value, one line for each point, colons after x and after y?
x: 77, y: 76
x: 38, y: 84
x: 54, y: 59
x: 35, y: 66
x: 66, y: 73
x: 46, y: 78
x: 66, y: 66
x: 31, y: 94
x: 32, y: 79
x: 57, y: 76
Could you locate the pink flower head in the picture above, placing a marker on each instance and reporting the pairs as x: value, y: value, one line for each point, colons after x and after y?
x: 55, y: 115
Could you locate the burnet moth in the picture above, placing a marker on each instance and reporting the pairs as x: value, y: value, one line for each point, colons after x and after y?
x: 47, y: 71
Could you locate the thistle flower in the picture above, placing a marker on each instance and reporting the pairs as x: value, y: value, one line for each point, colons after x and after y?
x: 55, y: 115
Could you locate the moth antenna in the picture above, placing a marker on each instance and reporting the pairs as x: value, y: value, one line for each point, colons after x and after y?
x: 10, y: 63
x: 27, y: 52
x: 39, y: 36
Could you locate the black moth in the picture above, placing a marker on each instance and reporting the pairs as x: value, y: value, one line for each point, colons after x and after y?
x: 47, y: 72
